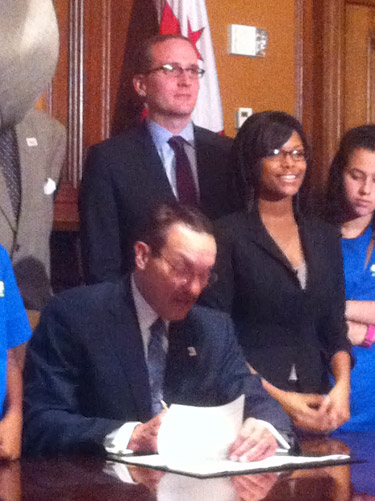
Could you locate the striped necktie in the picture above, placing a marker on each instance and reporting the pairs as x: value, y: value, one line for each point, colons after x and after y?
x: 156, y: 360
x: 10, y: 166
x: 187, y: 193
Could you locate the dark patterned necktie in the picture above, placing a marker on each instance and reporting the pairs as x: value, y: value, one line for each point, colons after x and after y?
x: 10, y: 166
x: 156, y: 360
x: 187, y: 193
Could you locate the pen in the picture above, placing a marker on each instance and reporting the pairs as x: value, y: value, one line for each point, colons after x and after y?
x: 164, y: 405
x: 282, y: 452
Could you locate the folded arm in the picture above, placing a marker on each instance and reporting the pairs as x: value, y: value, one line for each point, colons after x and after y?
x: 356, y: 332
x: 359, y: 315
x: 362, y: 312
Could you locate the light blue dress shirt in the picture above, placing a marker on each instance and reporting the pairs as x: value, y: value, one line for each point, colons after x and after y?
x: 160, y: 137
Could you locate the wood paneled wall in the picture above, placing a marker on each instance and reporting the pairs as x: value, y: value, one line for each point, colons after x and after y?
x: 90, y: 90
x: 303, y: 72
x: 84, y: 90
x: 339, y: 72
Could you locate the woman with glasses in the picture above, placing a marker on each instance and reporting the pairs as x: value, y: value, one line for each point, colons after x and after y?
x: 280, y: 277
x: 351, y: 206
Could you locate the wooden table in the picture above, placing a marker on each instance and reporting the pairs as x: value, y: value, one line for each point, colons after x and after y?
x: 83, y: 478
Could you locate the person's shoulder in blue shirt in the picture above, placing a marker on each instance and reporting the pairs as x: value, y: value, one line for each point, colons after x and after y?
x: 14, y: 332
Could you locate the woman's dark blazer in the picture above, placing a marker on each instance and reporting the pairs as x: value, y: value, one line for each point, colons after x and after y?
x: 278, y: 323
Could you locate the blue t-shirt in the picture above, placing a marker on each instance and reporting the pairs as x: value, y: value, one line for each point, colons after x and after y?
x: 360, y: 286
x: 14, y: 325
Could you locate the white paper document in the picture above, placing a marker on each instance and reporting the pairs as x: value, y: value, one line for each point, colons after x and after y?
x: 195, y: 441
x: 225, y: 466
x: 189, y: 432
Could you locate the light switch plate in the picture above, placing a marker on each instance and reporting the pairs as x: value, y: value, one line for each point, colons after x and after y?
x: 242, y: 40
x: 247, y: 40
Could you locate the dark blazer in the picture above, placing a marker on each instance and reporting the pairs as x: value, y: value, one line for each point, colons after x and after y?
x: 277, y: 322
x: 124, y: 179
x: 86, y: 374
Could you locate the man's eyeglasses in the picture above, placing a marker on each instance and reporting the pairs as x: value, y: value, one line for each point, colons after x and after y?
x: 296, y: 155
x: 176, y: 70
x: 186, y: 274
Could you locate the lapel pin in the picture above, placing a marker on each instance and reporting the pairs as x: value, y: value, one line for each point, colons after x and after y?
x: 31, y: 141
x: 191, y: 351
x: 49, y: 186
x: 372, y: 269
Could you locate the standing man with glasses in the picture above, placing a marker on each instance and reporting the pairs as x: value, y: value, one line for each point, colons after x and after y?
x: 105, y: 358
x: 166, y: 158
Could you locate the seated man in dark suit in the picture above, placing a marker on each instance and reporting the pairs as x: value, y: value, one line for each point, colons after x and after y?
x: 104, y: 356
x: 127, y: 175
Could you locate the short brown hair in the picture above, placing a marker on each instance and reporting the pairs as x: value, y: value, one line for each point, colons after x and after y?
x: 143, y: 59
x: 165, y: 216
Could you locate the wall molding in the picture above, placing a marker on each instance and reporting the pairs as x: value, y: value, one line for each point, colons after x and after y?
x: 75, y: 92
x: 299, y: 43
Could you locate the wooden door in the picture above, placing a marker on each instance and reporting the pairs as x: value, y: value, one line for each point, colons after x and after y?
x: 338, y: 71
x: 359, y: 65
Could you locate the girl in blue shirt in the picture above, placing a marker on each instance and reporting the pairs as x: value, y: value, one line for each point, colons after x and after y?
x: 351, y: 204
x: 14, y: 332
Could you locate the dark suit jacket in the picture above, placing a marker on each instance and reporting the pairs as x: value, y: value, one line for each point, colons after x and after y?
x: 277, y: 322
x: 86, y: 374
x: 124, y: 179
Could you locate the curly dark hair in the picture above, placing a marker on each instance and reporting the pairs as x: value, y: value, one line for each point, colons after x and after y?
x: 256, y: 139
x: 358, y: 137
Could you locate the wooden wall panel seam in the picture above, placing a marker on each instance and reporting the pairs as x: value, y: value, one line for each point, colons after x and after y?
x: 76, y: 91
x: 298, y: 58
x: 333, y: 76
x: 369, y: 3
x: 106, y: 69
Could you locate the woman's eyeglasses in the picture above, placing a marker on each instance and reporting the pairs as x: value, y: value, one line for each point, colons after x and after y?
x: 296, y: 155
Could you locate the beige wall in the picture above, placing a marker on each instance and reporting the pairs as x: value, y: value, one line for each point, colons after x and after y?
x: 260, y: 83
